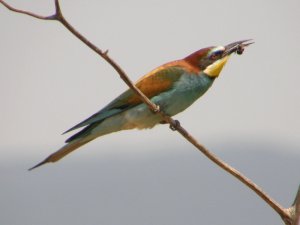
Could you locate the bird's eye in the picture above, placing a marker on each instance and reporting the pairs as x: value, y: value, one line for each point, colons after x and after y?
x: 215, y: 55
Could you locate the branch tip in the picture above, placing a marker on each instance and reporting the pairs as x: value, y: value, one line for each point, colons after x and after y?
x: 57, y: 7
x: 295, y: 209
x: 9, y: 7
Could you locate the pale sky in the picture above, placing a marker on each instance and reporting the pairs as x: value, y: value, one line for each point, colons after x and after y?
x: 50, y: 81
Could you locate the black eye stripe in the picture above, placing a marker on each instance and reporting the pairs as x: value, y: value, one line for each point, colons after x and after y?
x: 216, y: 54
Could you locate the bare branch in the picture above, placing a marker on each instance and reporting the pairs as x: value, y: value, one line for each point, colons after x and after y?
x: 296, y: 206
x: 271, y: 202
x: 294, y: 211
x: 58, y: 16
x: 26, y: 12
x: 174, y: 125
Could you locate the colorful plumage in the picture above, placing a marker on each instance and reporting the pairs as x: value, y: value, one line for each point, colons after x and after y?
x: 173, y: 86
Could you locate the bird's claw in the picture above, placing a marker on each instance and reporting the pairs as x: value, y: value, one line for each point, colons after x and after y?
x: 175, y: 125
x: 157, y: 109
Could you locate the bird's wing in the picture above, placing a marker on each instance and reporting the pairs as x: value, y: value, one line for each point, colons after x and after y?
x: 157, y: 81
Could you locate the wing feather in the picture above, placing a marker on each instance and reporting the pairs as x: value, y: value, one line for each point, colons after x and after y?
x: 157, y: 81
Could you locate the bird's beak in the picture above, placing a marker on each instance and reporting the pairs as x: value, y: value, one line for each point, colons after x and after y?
x: 214, y: 69
x: 237, y: 47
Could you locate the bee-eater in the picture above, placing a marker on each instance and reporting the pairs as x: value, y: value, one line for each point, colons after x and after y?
x: 173, y: 86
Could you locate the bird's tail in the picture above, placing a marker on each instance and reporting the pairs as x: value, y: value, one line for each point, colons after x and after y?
x: 63, y: 151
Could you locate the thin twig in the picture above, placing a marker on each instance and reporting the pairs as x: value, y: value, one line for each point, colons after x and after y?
x: 296, y: 205
x: 175, y: 125
x: 294, y: 210
x: 26, y: 12
x: 276, y: 206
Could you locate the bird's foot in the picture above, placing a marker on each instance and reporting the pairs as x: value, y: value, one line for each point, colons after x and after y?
x: 175, y: 126
x: 157, y: 109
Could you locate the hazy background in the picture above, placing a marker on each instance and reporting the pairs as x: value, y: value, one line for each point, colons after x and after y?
x: 49, y: 81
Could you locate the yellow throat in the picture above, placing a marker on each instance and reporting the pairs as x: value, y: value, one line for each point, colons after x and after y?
x: 215, y: 69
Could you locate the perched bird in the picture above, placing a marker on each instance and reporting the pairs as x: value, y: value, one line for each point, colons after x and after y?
x: 173, y: 86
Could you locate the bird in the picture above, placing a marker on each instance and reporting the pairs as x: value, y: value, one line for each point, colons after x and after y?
x: 173, y: 87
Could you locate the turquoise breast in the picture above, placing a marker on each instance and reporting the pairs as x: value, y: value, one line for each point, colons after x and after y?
x: 184, y: 93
